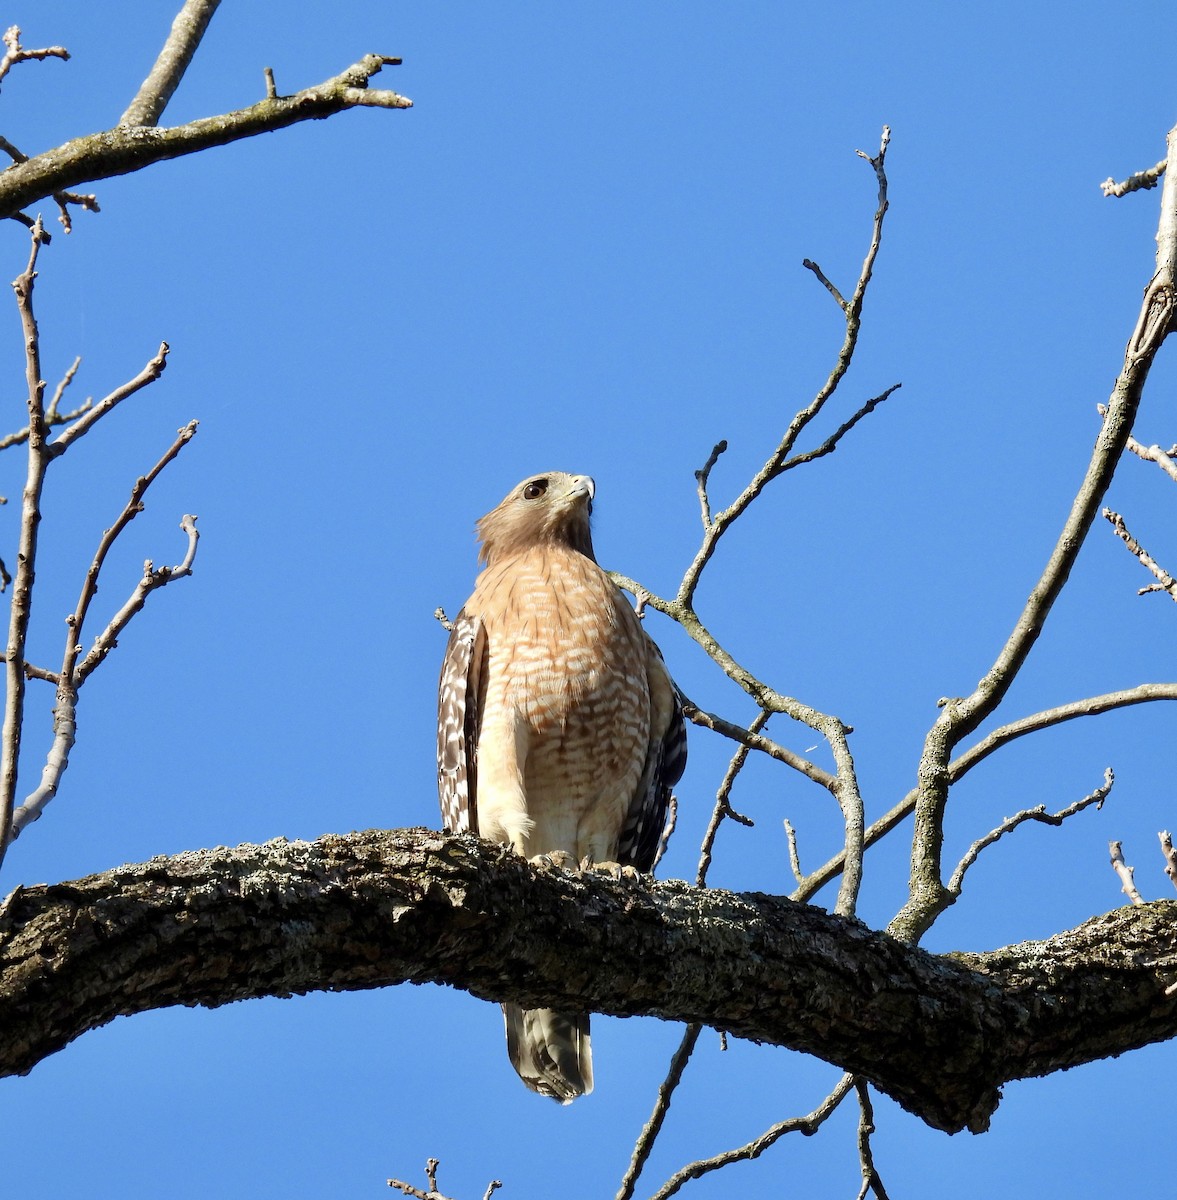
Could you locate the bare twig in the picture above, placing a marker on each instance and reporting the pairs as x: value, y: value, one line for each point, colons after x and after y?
x: 84, y: 200
x: 928, y: 895
x: 1125, y: 872
x: 1164, y: 581
x: 723, y: 807
x: 53, y: 417
x: 153, y: 579
x: 1170, y: 855
x: 134, y: 506
x: 433, y: 1194
x: 22, y: 594
x: 650, y: 1131
x: 443, y: 620
x: 1141, y: 181
x: 808, y: 1124
x: 92, y: 414
x: 794, y: 854
x: 165, y: 75
x: 831, y: 443
x: 14, y: 52
x: 844, y: 785
x: 833, y: 291
x: 756, y: 741
x: 1153, y: 453
x: 715, y: 527
x: 701, y: 478
x: 871, y: 1182
x: 1038, y: 813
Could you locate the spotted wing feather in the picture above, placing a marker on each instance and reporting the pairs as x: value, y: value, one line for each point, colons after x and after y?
x: 459, y: 714
x: 646, y: 818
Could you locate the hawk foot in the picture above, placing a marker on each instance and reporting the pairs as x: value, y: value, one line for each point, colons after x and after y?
x: 560, y: 859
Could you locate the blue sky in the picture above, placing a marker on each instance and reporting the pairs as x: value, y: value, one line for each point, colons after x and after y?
x: 582, y: 250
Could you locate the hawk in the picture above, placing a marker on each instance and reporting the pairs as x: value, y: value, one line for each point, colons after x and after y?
x: 559, y: 731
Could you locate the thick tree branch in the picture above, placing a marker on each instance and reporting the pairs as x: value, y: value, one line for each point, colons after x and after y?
x: 130, y: 148
x: 165, y: 75
x: 938, y: 1034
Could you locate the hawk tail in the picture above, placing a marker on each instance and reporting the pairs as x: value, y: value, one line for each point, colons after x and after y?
x: 550, y: 1050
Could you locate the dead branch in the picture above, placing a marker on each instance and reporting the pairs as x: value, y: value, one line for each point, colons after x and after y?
x: 844, y: 785
x: 715, y: 527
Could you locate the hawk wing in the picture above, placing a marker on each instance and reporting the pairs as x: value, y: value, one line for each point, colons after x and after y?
x: 666, y: 760
x: 461, y: 690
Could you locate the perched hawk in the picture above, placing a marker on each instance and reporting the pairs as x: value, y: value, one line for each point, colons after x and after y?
x: 558, y: 727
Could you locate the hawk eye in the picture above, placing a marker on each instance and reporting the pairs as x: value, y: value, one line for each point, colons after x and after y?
x: 535, y: 489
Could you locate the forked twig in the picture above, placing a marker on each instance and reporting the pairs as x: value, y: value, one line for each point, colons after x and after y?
x: 723, y: 807
x: 808, y: 1124
x: 1090, y: 706
x: 15, y: 53
x: 73, y: 675
x: 1164, y: 581
x: 928, y: 894
x: 433, y: 1194
x: 22, y: 592
x: 1038, y: 813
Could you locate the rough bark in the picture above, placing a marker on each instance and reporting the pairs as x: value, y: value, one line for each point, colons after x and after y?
x: 940, y: 1034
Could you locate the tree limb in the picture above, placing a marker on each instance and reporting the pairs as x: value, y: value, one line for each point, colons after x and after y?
x: 928, y: 895
x: 938, y: 1034
x: 124, y: 149
x: 167, y: 71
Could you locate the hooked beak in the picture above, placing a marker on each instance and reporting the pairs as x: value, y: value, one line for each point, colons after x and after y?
x: 582, y: 485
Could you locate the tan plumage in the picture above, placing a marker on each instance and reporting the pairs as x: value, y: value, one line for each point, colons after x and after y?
x: 559, y: 729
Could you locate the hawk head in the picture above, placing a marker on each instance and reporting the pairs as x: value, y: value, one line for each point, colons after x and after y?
x: 552, y: 507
